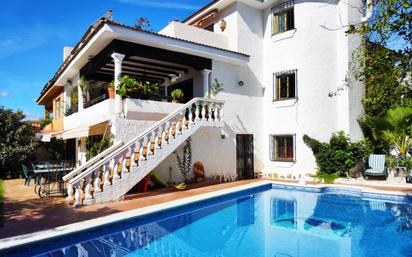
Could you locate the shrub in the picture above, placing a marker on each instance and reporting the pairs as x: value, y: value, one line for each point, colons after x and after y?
x: 339, y: 155
x: 326, y: 178
x: 98, y: 147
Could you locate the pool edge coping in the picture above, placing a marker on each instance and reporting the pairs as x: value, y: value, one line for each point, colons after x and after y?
x: 51, y: 233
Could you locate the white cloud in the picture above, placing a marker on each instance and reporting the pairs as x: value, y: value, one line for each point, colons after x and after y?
x: 15, y: 40
x: 4, y: 94
x: 161, y: 4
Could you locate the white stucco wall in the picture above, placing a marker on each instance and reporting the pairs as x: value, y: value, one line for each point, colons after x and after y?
x: 92, y: 115
x: 124, y: 129
x: 317, y: 50
x: 319, y: 53
x: 194, y: 34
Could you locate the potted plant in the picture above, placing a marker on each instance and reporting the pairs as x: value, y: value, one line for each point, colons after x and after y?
x: 177, y: 94
x: 85, y: 87
x: 110, y: 90
x: 127, y: 86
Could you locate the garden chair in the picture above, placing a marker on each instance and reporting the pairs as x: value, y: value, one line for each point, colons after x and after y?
x: 37, y: 177
x: 28, y: 174
x: 377, y: 166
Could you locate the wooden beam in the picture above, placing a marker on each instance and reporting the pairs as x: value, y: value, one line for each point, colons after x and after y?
x: 127, y: 71
x: 144, y: 68
x: 132, y: 61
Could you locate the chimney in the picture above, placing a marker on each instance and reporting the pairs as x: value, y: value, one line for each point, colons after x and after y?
x: 66, y: 52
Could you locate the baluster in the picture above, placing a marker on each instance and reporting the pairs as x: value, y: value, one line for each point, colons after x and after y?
x: 203, y: 110
x: 213, y: 112
x: 70, y: 193
x: 88, y: 189
x: 180, y: 125
x: 97, y: 182
x: 106, y: 174
x: 144, y: 151
x: 160, y: 137
x: 167, y: 132
x: 209, y: 112
x: 77, y: 195
x: 174, y: 128
x: 221, y: 112
x: 185, y: 121
x: 190, y: 115
x: 136, y: 153
x: 117, y: 169
x: 152, y: 143
x: 197, y: 111
x: 124, y: 164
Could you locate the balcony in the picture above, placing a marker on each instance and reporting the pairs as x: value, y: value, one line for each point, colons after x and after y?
x: 92, y: 115
x: 186, y: 32
x: 137, y: 109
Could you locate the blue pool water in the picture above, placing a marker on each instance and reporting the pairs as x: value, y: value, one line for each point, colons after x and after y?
x: 273, y: 221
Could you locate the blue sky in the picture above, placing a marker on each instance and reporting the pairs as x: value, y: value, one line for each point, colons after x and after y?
x: 33, y: 34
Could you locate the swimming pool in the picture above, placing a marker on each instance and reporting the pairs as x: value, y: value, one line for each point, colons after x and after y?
x: 269, y: 220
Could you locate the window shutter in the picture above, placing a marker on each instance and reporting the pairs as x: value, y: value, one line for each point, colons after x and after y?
x: 275, y: 24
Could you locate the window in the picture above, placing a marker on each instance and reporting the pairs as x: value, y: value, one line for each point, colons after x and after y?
x: 366, y: 9
x: 283, y: 213
x: 283, y: 17
x: 285, y: 85
x: 282, y: 148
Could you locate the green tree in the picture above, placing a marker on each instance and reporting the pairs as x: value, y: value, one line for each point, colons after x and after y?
x: 395, y: 128
x: 17, y: 142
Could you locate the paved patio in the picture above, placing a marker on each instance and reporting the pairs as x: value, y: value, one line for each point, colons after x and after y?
x: 25, y: 212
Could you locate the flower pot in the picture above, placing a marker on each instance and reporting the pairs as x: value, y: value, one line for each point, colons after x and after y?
x: 111, y: 92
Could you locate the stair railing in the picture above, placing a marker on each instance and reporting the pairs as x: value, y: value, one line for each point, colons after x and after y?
x: 110, y: 165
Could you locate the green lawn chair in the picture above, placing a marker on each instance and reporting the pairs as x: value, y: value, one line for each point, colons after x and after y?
x: 28, y: 174
x: 37, y: 177
x: 377, y: 166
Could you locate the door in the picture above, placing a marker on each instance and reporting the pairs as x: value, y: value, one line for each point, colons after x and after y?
x: 244, y: 156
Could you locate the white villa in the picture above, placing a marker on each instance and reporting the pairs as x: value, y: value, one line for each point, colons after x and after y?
x: 278, y: 62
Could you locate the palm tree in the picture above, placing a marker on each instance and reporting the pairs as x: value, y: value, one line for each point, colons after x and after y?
x: 396, y: 128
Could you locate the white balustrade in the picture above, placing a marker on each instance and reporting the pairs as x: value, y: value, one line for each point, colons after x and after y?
x: 128, y: 157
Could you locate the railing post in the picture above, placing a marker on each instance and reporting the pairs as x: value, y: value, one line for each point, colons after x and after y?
x: 106, y: 174
x: 197, y: 111
x: 97, y: 182
x: 70, y: 191
x: 77, y: 195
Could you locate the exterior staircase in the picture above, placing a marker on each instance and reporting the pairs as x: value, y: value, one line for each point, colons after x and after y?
x: 111, y: 174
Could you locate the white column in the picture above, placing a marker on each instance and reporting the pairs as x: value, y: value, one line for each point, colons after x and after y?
x: 205, y: 82
x: 117, y: 58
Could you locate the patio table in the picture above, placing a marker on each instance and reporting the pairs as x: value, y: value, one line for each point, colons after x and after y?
x: 51, y: 177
